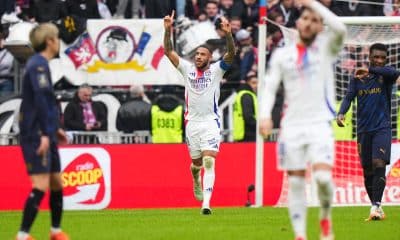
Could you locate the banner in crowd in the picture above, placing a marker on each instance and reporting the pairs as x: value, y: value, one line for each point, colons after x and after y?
x: 144, y: 176
x: 118, y: 52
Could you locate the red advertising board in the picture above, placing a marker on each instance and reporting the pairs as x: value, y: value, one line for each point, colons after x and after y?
x: 141, y: 176
x: 158, y: 176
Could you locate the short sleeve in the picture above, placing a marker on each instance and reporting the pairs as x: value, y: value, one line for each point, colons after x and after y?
x: 183, y: 66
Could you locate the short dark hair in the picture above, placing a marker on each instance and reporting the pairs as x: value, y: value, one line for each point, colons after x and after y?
x: 378, y: 46
x: 206, y: 46
x: 212, y: 2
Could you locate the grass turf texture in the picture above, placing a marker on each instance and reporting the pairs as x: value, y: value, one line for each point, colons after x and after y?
x: 224, y: 223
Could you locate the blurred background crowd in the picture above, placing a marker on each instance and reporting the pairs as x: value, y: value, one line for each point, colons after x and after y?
x: 138, y: 103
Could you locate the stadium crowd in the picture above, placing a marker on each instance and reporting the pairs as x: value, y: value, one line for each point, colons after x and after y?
x: 242, y: 14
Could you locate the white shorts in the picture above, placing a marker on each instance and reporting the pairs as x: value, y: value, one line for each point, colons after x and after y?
x: 298, y: 145
x: 201, y: 136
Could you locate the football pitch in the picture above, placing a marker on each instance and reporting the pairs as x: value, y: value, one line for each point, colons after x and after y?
x: 224, y: 224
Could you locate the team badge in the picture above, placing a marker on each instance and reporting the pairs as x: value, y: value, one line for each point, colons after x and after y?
x: 43, y: 82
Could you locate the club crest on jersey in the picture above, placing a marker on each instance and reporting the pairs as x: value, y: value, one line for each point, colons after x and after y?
x: 43, y: 80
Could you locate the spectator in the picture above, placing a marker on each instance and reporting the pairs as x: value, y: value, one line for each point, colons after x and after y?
x: 47, y: 10
x: 287, y: 9
x: 7, y: 12
x: 135, y: 114
x: 6, y: 64
x: 193, y: 8
x: 167, y: 119
x: 212, y: 11
x: 354, y: 8
x: 121, y: 8
x: 86, y: 9
x: 247, y: 10
x: 247, y: 53
x: 243, y: 61
x: 245, y: 111
x: 158, y: 8
x: 225, y: 7
x: 395, y: 8
x: 104, y: 11
x: 83, y: 114
x: 333, y: 6
x: 236, y: 25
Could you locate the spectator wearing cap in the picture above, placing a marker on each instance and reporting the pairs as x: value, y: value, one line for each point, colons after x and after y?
x: 247, y: 53
x: 244, y: 59
x: 134, y: 115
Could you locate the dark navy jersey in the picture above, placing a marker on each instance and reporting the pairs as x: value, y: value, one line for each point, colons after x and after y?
x: 39, y: 110
x: 373, y: 98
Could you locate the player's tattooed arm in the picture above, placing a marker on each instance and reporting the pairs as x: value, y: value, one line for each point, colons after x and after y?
x: 168, y: 48
x: 167, y: 42
x: 230, y: 44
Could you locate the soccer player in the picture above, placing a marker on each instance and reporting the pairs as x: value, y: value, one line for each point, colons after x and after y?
x: 40, y: 132
x: 305, y: 67
x: 202, y: 81
x: 373, y: 88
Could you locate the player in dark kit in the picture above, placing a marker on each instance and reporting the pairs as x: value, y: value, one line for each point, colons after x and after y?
x: 40, y: 132
x: 373, y: 87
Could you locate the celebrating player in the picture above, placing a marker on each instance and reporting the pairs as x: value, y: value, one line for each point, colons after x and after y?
x: 202, y: 81
x: 39, y: 129
x: 373, y: 88
x: 306, y: 70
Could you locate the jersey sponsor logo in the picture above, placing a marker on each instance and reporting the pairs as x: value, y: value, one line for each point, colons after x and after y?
x: 86, y: 176
x: 371, y: 91
x: 200, y: 83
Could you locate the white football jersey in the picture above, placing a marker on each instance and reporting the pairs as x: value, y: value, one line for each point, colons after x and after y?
x: 202, y: 90
x: 307, y: 76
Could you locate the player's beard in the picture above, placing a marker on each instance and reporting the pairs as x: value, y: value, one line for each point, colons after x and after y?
x: 309, y: 39
x: 203, y: 66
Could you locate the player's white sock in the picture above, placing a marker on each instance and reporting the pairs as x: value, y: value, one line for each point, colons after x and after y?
x: 297, y: 204
x: 325, y: 186
x: 22, y: 235
x: 55, y: 230
x: 208, y: 180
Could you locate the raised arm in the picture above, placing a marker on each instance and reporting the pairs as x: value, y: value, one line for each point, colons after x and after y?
x: 338, y: 28
x: 168, y: 48
x: 230, y: 44
x: 388, y: 73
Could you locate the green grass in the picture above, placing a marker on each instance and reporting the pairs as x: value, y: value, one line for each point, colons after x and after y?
x: 223, y: 224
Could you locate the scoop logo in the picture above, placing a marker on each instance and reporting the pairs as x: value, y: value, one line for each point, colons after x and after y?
x: 86, y: 177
